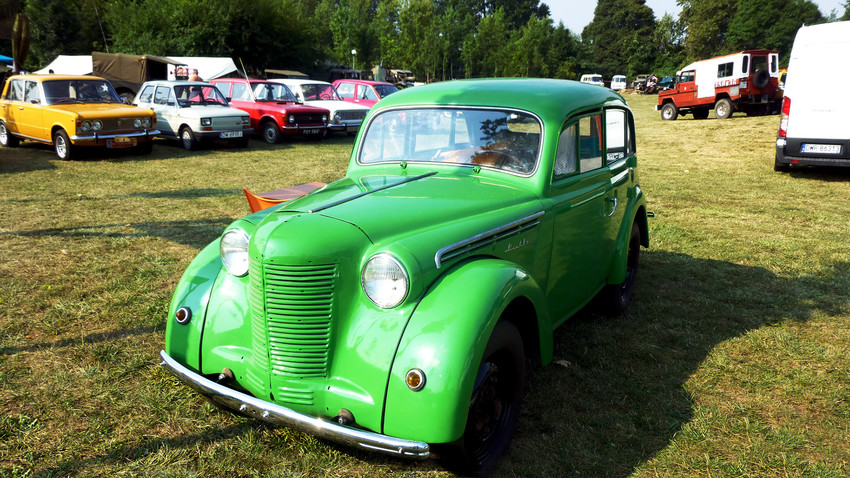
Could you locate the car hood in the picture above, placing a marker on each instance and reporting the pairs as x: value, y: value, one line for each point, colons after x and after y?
x: 336, y: 105
x: 102, y: 110
x: 208, y: 112
x: 395, y: 208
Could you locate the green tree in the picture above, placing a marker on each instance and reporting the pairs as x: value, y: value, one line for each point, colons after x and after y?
x: 621, y: 36
x: 350, y: 27
x: 846, y: 15
x: 485, y: 49
x: 420, y: 39
x: 769, y: 24
x: 669, y: 43
x: 62, y: 27
x: 567, y: 54
x: 529, y: 50
x: 706, y: 22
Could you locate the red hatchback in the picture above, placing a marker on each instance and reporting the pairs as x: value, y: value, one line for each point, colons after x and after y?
x: 273, y: 108
x: 363, y: 92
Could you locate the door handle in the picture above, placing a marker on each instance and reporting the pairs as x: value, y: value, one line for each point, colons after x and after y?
x: 614, y: 200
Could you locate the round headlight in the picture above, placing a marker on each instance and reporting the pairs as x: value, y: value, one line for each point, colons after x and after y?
x: 146, y: 122
x: 137, y: 123
x: 324, y: 118
x: 384, y: 281
x: 86, y: 126
x: 97, y: 125
x: 234, y: 252
x: 291, y: 118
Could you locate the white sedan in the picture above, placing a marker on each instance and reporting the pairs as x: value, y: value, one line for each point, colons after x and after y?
x: 194, y: 111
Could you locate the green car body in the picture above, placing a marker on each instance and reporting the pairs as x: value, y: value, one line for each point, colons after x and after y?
x: 468, y: 238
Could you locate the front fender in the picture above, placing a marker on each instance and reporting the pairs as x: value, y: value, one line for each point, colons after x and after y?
x: 446, y: 337
x: 182, y: 341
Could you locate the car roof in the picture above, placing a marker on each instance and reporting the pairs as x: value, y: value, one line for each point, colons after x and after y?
x: 362, y: 82
x: 34, y: 76
x: 178, y: 83
x: 299, y: 81
x: 552, y: 100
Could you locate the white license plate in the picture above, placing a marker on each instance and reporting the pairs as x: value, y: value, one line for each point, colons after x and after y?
x: 821, y: 148
x: 312, y: 131
x: 231, y: 134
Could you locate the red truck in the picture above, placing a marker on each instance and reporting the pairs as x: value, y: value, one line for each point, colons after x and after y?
x: 747, y: 81
x: 273, y: 108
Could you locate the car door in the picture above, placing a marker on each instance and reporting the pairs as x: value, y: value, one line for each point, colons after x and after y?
x: 14, y: 105
x: 165, y: 106
x: 28, y: 111
x: 686, y: 90
x: 586, y: 204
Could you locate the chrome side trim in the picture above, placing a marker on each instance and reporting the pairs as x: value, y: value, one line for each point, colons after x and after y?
x: 282, y: 416
x: 486, y: 238
x: 137, y: 134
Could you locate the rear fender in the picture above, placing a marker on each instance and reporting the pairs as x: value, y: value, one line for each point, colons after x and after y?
x: 637, y: 211
x: 446, y: 337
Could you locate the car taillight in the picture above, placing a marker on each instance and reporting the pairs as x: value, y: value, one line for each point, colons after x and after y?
x: 783, y: 118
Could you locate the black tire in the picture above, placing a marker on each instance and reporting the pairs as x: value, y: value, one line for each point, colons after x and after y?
x: 187, y: 139
x: 143, y: 148
x: 7, y: 140
x: 669, y: 112
x: 761, y: 79
x: 270, y: 132
x: 700, y: 113
x: 617, y: 297
x: 723, y: 108
x: 494, y: 405
x: 62, y: 145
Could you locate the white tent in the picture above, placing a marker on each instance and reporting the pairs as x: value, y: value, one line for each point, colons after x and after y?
x: 69, y: 65
x: 209, y: 68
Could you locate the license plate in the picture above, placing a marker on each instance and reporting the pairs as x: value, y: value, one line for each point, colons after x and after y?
x: 821, y: 148
x: 312, y: 131
x: 120, y: 142
x: 231, y: 134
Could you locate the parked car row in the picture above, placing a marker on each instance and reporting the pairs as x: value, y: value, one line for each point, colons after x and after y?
x: 70, y: 112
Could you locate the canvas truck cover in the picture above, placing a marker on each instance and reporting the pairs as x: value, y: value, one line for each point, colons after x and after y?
x: 120, y: 67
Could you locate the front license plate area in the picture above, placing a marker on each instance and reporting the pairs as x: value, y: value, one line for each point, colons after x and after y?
x: 821, y: 148
x: 231, y: 134
x: 311, y: 132
x: 121, y: 142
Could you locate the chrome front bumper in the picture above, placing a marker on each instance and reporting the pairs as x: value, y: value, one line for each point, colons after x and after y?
x: 135, y: 134
x: 278, y: 415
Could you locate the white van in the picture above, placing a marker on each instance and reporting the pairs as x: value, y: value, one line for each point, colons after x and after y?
x: 813, y: 125
x: 593, y: 79
x: 618, y: 82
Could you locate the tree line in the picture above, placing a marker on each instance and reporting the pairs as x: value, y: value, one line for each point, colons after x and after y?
x: 436, y: 39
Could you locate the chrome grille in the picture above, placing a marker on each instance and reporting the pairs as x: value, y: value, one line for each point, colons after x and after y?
x: 352, y: 115
x: 308, y: 119
x: 298, y: 310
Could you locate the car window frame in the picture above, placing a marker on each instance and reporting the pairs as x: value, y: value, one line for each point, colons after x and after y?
x: 575, y: 121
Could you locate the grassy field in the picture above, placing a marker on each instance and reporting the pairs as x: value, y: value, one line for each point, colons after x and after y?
x: 732, y: 360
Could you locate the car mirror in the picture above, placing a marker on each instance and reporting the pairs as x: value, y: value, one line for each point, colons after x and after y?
x: 35, y: 102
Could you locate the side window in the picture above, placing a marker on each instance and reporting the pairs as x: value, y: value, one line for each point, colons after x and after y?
x: 31, y: 92
x: 724, y: 70
x: 773, y: 60
x: 687, y: 76
x: 616, y: 135
x: 224, y: 88
x: 369, y: 93
x: 565, y: 158
x: 590, y: 143
x: 745, y: 65
x: 161, y: 95
x: 240, y: 92
x: 16, y: 91
x: 346, y: 90
x: 146, y: 94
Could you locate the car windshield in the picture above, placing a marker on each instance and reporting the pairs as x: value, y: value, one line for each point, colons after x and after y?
x: 491, y: 138
x: 319, y: 91
x: 197, y: 95
x: 272, y: 92
x: 79, y: 91
x: 385, y: 90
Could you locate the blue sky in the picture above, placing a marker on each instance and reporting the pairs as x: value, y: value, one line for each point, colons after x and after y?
x: 577, y: 13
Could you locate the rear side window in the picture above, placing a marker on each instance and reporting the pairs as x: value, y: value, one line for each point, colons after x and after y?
x: 724, y: 70
x: 618, y: 135
x: 146, y: 94
x: 580, y: 145
x: 745, y: 64
x: 345, y: 90
x: 31, y: 92
x: 16, y: 91
x: 161, y: 95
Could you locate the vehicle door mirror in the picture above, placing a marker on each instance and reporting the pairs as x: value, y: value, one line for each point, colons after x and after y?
x: 35, y: 102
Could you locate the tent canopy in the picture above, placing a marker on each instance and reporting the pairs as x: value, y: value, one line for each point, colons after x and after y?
x: 69, y: 65
x: 209, y: 67
x: 5, y: 60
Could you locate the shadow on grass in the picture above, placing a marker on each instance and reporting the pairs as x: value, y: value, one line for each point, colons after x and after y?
x: 25, y: 158
x: 196, y: 233
x: 183, y: 194
x: 87, y: 339
x: 615, y: 395
x: 825, y: 174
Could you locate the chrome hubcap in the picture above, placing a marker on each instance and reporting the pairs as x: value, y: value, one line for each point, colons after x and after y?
x: 61, y: 147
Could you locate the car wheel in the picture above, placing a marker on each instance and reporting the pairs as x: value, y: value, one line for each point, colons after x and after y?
x: 701, y: 113
x: 7, y: 140
x: 188, y: 138
x: 723, y: 108
x: 271, y: 133
x: 669, y: 112
x: 618, y: 296
x: 62, y: 145
x: 495, y: 403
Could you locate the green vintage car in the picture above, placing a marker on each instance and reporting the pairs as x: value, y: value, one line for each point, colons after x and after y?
x: 394, y: 309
